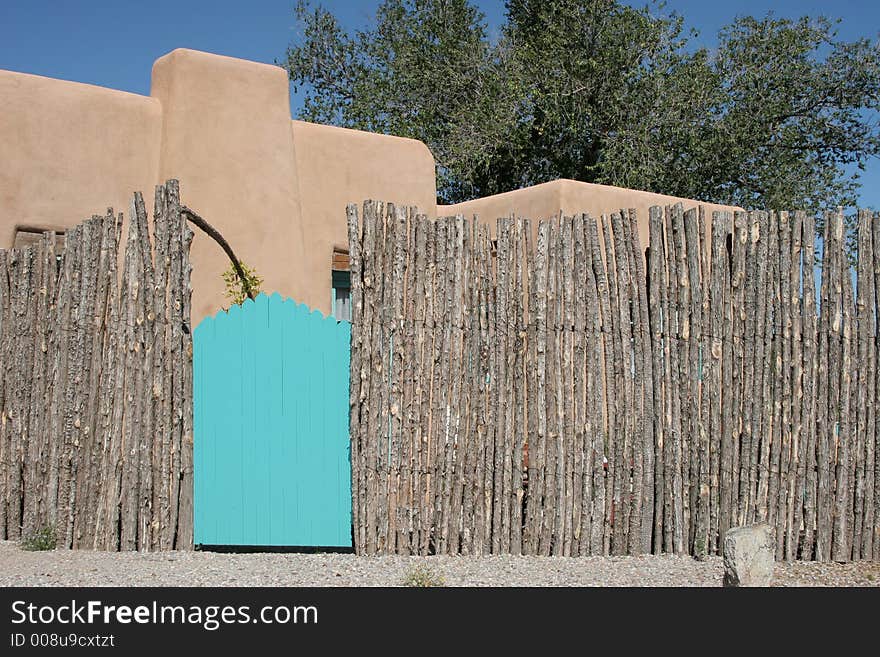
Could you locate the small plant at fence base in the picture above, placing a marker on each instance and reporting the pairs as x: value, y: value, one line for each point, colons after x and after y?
x: 40, y: 540
x: 235, y: 289
x: 423, y: 577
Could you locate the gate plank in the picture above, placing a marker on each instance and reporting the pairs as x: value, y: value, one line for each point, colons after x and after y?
x: 272, y: 460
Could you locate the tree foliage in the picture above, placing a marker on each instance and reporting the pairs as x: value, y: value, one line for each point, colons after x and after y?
x: 599, y: 91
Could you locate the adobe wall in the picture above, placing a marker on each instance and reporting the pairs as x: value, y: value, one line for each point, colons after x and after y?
x: 225, y: 136
x: 68, y: 150
x: 275, y: 188
x: 336, y: 167
x: 571, y: 197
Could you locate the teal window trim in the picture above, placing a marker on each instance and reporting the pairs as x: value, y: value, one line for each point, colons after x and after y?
x: 340, y: 280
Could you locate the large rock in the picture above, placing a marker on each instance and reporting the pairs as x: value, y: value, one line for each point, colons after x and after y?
x: 748, y: 556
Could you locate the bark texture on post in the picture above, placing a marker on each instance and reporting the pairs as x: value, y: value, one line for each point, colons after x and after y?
x: 574, y: 398
x: 96, y: 385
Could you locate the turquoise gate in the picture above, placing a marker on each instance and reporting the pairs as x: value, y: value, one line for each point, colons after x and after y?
x: 271, y: 442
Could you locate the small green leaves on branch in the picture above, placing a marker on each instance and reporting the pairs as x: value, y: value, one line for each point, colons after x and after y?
x: 236, y: 288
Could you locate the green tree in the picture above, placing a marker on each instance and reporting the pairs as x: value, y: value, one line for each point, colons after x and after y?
x: 599, y: 80
x: 785, y: 107
x: 413, y: 75
x: 598, y: 91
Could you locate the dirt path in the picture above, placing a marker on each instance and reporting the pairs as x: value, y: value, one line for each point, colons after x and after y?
x: 84, y: 568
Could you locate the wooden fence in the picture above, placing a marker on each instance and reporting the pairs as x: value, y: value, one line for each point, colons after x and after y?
x: 572, y: 394
x: 96, y: 385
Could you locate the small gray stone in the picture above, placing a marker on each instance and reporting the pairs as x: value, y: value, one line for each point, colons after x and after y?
x: 748, y: 556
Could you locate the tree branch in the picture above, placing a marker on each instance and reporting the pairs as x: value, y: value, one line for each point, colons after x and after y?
x: 212, y: 232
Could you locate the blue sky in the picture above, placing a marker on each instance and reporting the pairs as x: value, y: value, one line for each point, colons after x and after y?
x: 114, y: 43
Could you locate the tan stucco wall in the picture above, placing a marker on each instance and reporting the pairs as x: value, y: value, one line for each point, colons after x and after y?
x: 571, y: 197
x: 337, y: 167
x: 225, y: 136
x: 68, y: 150
x: 275, y: 188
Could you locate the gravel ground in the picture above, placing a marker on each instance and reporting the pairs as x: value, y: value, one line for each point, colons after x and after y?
x: 84, y: 568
